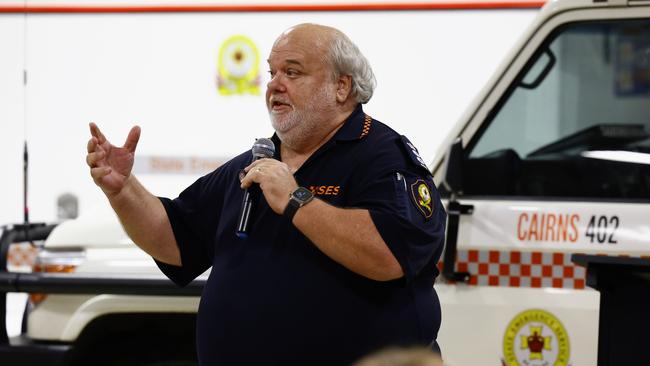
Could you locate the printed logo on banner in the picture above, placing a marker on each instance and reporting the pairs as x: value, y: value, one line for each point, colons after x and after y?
x: 238, y: 69
x: 535, y: 338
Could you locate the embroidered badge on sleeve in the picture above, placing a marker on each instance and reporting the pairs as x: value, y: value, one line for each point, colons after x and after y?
x: 421, y: 196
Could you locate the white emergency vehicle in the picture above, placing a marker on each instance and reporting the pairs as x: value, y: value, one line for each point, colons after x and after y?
x: 552, y: 158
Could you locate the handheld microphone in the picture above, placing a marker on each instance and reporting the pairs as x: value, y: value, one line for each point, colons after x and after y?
x: 262, y: 148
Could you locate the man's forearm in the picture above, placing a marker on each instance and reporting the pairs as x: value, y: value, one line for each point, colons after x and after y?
x: 145, y: 221
x: 349, y: 237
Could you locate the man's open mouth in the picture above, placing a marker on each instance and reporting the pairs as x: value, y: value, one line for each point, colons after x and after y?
x: 278, y: 104
x: 275, y: 104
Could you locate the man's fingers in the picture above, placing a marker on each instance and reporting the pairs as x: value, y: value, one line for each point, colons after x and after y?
x: 264, y: 161
x: 247, y: 181
x: 94, y: 130
x: 252, y: 176
x: 252, y: 165
x: 99, y: 172
x: 132, y: 139
x: 93, y: 157
x: 92, y: 144
x: 252, y: 173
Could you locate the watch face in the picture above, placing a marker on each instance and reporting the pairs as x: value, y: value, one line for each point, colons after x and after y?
x: 302, y: 194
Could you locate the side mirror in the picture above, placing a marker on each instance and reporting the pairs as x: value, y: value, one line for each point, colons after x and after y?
x: 452, y: 178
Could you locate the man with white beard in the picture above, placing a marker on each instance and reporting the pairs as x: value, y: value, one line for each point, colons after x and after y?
x: 345, y: 237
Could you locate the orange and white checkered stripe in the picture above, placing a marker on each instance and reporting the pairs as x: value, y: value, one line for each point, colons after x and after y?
x: 520, y: 269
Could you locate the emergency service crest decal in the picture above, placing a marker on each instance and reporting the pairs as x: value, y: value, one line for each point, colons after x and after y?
x: 238, y: 68
x: 535, y: 338
x: 421, y: 195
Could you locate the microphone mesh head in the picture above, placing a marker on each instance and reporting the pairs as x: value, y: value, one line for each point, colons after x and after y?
x: 263, y: 148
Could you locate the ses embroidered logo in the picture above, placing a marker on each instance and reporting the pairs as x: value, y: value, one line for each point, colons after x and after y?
x: 238, y: 67
x: 421, y: 196
x: 535, y: 338
x: 325, y: 190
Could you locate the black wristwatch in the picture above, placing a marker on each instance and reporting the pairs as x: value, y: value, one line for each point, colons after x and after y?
x: 298, y: 198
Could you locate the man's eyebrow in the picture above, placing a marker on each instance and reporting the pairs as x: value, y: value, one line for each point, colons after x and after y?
x: 289, y: 61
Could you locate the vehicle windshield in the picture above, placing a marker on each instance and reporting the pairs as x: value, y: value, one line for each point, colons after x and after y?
x: 580, y: 106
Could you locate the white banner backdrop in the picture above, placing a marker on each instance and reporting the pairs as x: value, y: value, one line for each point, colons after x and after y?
x: 159, y: 70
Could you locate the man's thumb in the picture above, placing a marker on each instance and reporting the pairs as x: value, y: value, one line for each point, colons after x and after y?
x: 132, y: 139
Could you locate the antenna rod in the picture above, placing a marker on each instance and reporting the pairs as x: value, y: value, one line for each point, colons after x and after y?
x: 25, y: 165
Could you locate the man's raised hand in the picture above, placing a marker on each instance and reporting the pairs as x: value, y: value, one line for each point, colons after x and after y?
x: 110, y: 166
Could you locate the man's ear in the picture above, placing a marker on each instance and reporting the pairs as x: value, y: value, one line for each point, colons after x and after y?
x: 344, y: 88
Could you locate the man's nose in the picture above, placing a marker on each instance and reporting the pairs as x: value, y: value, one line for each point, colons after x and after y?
x: 276, y: 83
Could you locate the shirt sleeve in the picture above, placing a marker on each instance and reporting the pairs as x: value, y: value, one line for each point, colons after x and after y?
x: 194, y: 217
x: 404, y: 205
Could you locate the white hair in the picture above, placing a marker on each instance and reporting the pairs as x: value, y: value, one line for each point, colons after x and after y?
x: 347, y: 59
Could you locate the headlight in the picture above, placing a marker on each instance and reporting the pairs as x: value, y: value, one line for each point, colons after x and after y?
x: 59, y: 260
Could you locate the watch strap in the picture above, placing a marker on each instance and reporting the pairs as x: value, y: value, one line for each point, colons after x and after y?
x: 291, y: 209
x: 298, y: 198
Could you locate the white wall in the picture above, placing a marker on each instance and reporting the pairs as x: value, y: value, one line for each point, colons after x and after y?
x: 158, y: 70
x: 11, y: 117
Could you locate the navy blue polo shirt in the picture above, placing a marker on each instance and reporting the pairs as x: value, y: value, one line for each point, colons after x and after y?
x: 275, y: 298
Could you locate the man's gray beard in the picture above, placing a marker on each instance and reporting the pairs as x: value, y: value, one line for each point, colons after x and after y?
x: 299, y: 124
x: 286, y: 122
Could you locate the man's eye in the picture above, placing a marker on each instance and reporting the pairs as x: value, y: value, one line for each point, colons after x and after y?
x: 272, y: 73
x: 292, y: 72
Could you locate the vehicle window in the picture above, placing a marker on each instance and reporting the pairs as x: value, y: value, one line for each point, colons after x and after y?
x: 576, y: 122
